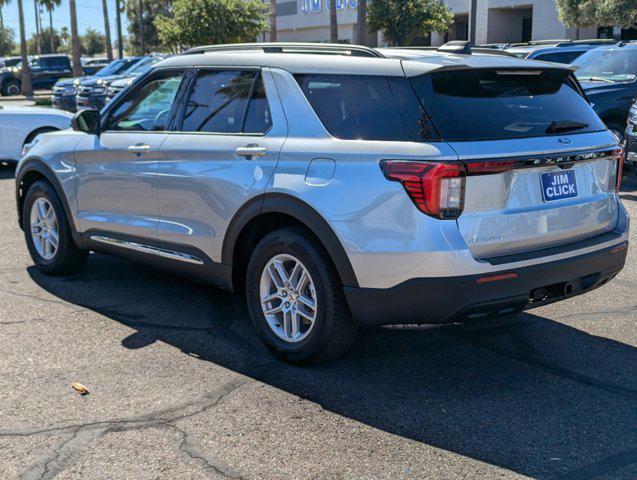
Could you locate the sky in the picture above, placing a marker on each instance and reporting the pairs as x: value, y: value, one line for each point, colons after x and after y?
x: 89, y: 15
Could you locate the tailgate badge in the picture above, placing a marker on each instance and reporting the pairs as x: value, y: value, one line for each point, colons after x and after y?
x: 564, y: 141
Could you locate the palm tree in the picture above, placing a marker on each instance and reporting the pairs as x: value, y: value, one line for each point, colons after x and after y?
x: 51, y: 5
x: 2, y: 4
x: 107, y: 32
x: 27, y: 88
x: 75, y: 41
x: 38, y: 30
x: 273, y: 20
x: 333, y: 23
x: 361, y: 22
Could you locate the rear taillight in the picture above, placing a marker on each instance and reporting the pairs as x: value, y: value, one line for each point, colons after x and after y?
x: 436, y: 188
x: 621, y: 156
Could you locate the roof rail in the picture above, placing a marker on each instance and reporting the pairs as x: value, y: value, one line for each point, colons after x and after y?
x: 481, y: 50
x: 456, y: 46
x: 550, y: 42
x: 292, y: 47
x: 592, y: 41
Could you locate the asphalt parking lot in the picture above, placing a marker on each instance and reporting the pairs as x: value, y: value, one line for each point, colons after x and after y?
x: 181, y: 388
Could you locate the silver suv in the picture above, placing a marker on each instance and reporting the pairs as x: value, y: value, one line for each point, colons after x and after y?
x: 340, y: 189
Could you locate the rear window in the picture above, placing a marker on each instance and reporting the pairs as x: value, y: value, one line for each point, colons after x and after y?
x: 362, y: 107
x: 486, y: 104
x: 558, y: 57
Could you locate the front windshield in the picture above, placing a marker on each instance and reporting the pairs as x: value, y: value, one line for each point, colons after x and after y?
x: 112, y: 68
x: 617, y: 65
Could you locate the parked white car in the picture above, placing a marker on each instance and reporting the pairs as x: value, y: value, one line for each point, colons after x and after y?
x: 20, y: 125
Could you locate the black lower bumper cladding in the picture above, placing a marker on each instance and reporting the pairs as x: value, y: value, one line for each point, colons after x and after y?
x: 457, y: 299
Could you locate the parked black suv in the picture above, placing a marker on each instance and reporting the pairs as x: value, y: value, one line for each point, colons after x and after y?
x: 45, y: 71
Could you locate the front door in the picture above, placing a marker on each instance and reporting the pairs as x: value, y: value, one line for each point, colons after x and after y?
x: 227, y: 146
x: 117, y: 170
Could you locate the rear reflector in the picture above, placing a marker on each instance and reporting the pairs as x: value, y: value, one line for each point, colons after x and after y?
x: 619, y: 248
x: 436, y: 188
x: 497, y: 278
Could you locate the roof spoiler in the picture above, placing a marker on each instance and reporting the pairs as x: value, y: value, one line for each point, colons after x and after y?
x: 461, y: 47
x: 291, y: 47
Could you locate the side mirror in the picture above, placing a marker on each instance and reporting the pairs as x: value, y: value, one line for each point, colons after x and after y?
x: 87, y: 121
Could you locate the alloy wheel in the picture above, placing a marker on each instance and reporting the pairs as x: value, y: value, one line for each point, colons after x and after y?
x: 44, y: 228
x: 288, y: 298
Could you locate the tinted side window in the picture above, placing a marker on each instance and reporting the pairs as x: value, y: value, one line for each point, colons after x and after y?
x: 148, y: 108
x: 355, y: 107
x: 54, y: 62
x: 218, y: 101
x: 258, y: 119
x: 558, y: 57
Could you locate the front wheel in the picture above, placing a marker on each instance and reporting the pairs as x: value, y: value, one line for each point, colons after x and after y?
x: 48, y: 234
x: 295, y: 298
x: 11, y: 89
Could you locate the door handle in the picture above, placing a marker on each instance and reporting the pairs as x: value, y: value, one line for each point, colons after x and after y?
x: 139, y: 149
x: 251, y: 151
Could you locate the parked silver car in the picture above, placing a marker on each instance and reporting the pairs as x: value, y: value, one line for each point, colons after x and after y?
x: 340, y: 189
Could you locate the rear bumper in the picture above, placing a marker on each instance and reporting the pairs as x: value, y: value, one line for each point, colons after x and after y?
x: 450, y: 299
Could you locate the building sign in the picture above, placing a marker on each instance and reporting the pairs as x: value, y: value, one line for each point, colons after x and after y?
x: 316, y: 6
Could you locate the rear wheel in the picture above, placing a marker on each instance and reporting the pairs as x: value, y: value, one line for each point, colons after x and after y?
x: 295, y: 298
x: 48, y: 234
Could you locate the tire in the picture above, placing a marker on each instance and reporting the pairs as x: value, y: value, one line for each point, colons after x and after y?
x: 11, y: 88
x: 66, y: 257
x: 618, y: 130
x: 332, y: 330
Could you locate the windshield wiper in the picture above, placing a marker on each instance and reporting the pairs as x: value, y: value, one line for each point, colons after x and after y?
x: 597, y: 79
x: 560, y: 126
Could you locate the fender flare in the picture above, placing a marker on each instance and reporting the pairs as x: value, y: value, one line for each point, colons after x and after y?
x: 302, y: 212
x: 36, y: 164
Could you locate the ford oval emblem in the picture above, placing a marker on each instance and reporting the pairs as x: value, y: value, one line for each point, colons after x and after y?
x: 564, y: 141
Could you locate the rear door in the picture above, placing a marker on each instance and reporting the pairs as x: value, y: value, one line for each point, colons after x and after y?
x: 227, y: 146
x: 117, y: 170
x: 541, y: 168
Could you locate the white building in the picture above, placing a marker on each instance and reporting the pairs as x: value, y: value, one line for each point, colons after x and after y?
x: 497, y: 21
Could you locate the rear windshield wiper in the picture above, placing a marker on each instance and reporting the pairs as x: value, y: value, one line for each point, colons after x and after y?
x: 560, y: 126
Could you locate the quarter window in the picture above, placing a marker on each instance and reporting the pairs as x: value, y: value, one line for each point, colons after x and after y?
x: 359, y: 107
x: 148, y: 108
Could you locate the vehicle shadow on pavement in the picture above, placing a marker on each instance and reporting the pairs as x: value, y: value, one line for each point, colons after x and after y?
x: 525, y: 393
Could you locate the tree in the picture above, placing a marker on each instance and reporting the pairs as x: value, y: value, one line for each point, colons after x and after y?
x: 92, y: 42
x: 2, y: 5
x: 107, y: 31
x: 118, y: 20
x: 38, y: 37
x: 361, y: 22
x: 150, y: 10
x: 572, y: 14
x: 27, y: 87
x: 401, y: 21
x: 202, y: 22
x: 47, y: 40
x: 75, y: 41
x: 51, y: 5
x: 618, y: 13
x: 273, y: 20
x: 333, y: 22
x: 7, y: 41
